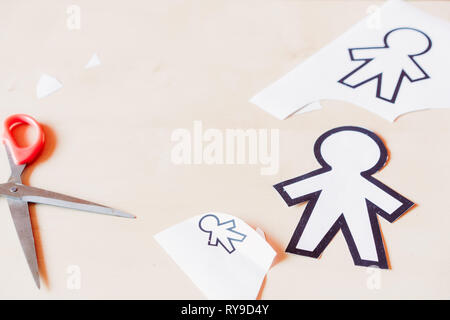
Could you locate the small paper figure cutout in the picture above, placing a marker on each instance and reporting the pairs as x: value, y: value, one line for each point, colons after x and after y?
x: 222, y: 233
x: 343, y: 195
x: 93, y: 62
x: 401, y: 45
x: 46, y: 86
x: 216, y: 272
x: 385, y: 79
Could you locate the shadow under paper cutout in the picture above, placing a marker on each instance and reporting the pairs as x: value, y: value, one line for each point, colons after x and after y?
x: 280, y: 256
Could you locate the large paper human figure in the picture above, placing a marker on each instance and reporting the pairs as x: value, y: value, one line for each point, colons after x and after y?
x: 343, y: 195
x: 389, y: 64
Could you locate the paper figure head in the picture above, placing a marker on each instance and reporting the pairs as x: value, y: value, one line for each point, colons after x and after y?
x: 408, y: 41
x: 209, y: 223
x: 350, y: 147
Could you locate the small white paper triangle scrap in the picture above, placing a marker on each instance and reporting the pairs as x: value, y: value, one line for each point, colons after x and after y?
x: 93, y: 62
x: 47, y: 85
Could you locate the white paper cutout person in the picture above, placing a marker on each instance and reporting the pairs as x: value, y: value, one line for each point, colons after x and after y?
x: 222, y: 233
x: 378, y: 75
x: 343, y: 195
x: 401, y: 45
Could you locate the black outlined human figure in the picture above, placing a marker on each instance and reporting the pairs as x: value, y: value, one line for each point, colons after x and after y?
x: 391, y: 63
x: 222, y: 233
x: 343, y: 195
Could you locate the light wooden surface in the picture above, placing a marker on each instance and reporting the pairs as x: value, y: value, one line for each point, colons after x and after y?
x: 164, y: 65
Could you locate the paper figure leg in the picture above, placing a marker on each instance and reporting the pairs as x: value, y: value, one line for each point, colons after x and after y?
x: 361, y: 231
x: 318, y: 225
x: 389, y: 85
x: 362, y: 75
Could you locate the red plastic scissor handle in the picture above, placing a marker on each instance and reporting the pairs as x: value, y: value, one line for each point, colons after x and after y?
x: 22, y: 155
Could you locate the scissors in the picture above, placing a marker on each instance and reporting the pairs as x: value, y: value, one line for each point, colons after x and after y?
x: 19, y: 195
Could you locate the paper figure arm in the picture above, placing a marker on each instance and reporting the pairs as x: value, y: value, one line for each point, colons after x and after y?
x: 365, y: 53
x: 381, y: 198
x: 229, y: 232
x: 292, y: 190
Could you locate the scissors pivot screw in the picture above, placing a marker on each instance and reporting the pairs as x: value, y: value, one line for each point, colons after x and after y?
x: 13, y: 189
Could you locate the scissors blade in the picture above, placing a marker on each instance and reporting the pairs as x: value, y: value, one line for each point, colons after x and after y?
x: 36, y: 195
x: 22, y: 222
x: 16, y: 170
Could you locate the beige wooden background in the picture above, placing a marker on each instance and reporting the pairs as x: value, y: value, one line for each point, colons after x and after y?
x: 164, y: 65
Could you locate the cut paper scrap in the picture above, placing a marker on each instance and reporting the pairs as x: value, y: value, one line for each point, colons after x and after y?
x: 343, y: 195
x: 47, y: 85
x: 221, y: 254
x: 93, y: 62
x: 261, y: 233
x: 400, y: 67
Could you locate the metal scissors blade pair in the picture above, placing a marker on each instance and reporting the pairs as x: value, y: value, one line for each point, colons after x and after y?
x: 19, y: 195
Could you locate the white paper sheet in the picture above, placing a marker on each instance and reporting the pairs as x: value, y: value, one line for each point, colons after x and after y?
x: 221, y: 254
x: 47, y: 85
x: 400, y: 67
